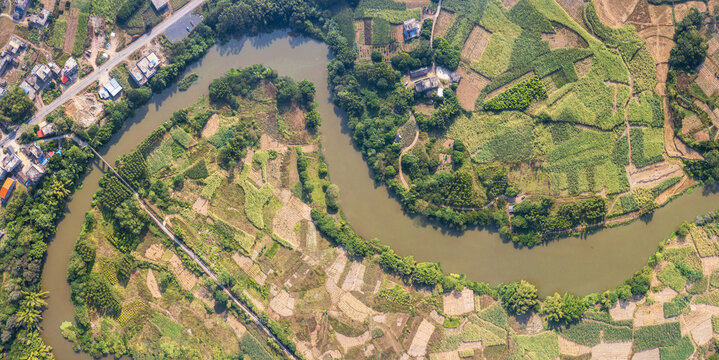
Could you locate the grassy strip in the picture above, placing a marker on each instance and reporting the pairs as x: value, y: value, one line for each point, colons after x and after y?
x: 57, y: 40
x: 78, y: 46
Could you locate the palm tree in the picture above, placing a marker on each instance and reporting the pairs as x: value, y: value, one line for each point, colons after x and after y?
x: 34, y: 300
x: 29, y: 316
x: 36, y: 348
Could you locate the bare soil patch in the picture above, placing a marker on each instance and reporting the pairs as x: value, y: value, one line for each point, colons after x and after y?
x: 349, y: 342
x: 283, y: 304
x: 70, y: 30
x: 508, y: 4
x: 458, y: 302
x: 447, y: 355
x: 475, y: 44
x: 354, y: 279
x: 583, y: 66
x: 213, y: 124
x: 619, y: 350
x: 469, y: 88
x: 710, y: 264
x: 661, y: 14
x: 236, y: 326
x: 652, y: 175
x: 353, y: 308
x: 652, y: 354
x: 649, y: 315
x: 660, y: 47
x: 154, y: 252
x: 615, y: 12
x: 570, y: 348
x: 690, y: 123
x: 573, y: 8
x: 421, y: 338
x: 563, y: 38
x: 702, y: 135
x: 152, y: 284
x: 444, y: 21
x: 707, y: 79
x: 685, y: 183
x: 681, y: 10
x: 201, y: 206
x: 640, y: 16
x: 623, y: 310
x: 287, y: 217
x: 85, y: 109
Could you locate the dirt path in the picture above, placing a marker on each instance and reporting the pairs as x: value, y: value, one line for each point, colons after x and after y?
x: 405, y: 150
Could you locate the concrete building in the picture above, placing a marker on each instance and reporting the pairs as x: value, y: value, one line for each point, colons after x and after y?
x: 426, y: 84
x: 70, y: 67
x: 160, y: 5
x: 31, y: 175
x: 11, y: 162
x: 5, y: 63
x: 411, y: 29
x: 21, y: 7
x: 110, y: 90
x: 39, y: 20
x: 417, y: 73
x: 145, y: 69
x: 15, y: 46
x: 43, y: 74
x: 30, y: 88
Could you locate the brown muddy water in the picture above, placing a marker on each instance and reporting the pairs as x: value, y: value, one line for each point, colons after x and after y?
x: 580, y: 265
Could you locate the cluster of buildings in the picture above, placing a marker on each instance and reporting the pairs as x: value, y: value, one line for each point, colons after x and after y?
x: 42, y: 74
x: 26, y: 166
x: 37, y: 20
x: 145, y: 69
x: 10, y: 54
x: 432, y: 82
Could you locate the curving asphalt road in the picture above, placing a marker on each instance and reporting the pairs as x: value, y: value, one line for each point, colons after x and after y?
x: 83, y: 83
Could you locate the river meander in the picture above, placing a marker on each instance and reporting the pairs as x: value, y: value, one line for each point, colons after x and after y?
x: 580, y: 265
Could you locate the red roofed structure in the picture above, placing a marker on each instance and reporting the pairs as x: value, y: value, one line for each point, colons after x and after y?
x: 64, y: 79
x: 40, y: 134
x: 7, y: 189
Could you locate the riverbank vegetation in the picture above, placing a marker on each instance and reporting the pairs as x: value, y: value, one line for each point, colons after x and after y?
x: 304, y: 257
x: 539, y: 127
x: 123, y: 271
x: 692, y: 97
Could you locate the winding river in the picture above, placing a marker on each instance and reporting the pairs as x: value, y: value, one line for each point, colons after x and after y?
x: 580, y: 265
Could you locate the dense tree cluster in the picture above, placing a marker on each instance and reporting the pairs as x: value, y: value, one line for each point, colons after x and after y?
x: 446, y: 54
x: 519, y: 297
x: 15, y: 106
x: 691, y: 47
x: 29, y: 222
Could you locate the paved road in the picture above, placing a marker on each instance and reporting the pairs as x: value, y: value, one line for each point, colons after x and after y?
x: 83, y: 83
